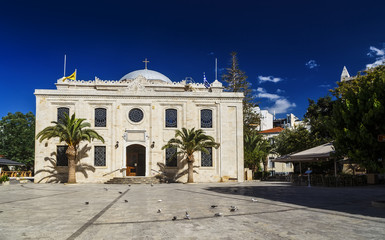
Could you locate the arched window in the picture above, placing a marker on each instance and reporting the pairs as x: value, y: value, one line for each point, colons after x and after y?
x: 100, y: 156
x: 207, y: 158
x: 171, y: 118
x: 100, y: 117
x: 171, y: 157
x: 60, y: 113
x: 206, y: 118
x: 61, y: 156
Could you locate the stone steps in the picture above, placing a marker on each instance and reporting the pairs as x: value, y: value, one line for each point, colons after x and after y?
x: 133, y: 180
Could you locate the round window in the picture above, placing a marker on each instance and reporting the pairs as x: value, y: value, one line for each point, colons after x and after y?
x: 135, y: 115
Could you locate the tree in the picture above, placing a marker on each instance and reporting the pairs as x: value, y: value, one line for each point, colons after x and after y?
x: 236, y: 81
x: 294, y: 140
x: 187, y: 142
x: 72, y: 131
x: 318, y: 116
x: 256, y: 150
x: 17, y: 138
x: 358, y: 118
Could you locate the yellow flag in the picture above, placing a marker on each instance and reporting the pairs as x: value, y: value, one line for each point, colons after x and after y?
x: 71, y: 77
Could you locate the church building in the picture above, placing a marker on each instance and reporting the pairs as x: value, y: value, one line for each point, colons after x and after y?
x: 136, y: 116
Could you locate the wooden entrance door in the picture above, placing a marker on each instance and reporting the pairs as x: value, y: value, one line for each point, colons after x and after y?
x: 132, y: 163
x: 136, y: 160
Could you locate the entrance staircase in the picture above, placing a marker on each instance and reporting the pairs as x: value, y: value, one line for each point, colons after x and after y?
x: 133, y: 180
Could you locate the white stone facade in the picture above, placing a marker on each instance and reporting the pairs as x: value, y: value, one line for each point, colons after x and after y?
x: 152, y: 97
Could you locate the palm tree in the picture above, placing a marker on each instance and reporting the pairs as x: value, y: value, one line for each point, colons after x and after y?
x: 256, y: 150
x: 188, y: 142
x: 72, y: 131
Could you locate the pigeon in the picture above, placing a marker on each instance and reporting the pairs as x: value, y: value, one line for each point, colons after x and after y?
x: 218, y: 214
x: 152, y: 184
x: 174, y: 218
x: 187, y: 216
x: 1, y: 211
x: 87, y: 203
x: 120, y: 192
x: 233, y: 208
x: 129, y: 185
x: 214, y: 206
x: 126, y: 200
x: 159, y: 210
x: 106, y: 189
x: 159, y: 200
x: 254, y: 200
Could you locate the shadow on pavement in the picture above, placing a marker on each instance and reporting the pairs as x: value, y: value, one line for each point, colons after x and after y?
x: 356, y: 200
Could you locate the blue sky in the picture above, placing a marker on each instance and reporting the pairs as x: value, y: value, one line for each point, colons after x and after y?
x: 290, y: 50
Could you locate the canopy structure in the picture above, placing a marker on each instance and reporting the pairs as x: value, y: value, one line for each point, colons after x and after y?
x: 315, y: 154
x: 8, y: 162
x: 319, y: 153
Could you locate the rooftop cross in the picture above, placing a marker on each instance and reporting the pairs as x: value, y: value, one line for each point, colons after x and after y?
x: 145, y: 63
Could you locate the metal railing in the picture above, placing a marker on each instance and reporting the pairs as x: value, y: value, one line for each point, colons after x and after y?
x: 17, y: 173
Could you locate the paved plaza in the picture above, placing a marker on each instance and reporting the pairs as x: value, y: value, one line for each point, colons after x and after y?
x: 279, y: 211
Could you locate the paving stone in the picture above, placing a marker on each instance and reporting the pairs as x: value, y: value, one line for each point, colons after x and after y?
x: 283, y: 211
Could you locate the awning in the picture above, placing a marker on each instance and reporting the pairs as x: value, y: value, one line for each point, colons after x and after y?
x: 8, y: 162
x: 319, y: 153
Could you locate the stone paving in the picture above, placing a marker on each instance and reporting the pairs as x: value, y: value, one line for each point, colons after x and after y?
x: 281, y: 211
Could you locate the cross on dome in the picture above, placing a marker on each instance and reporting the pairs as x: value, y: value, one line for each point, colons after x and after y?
x: 145, y: 63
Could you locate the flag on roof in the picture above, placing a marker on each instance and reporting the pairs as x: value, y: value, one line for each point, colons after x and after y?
x: 71, y: 77
x: 205, y: 82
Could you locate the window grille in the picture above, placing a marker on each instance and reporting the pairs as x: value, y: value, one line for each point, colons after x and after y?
x: 171, y: 157
x: 100, y: 156
x: 206, y: 118
x: 135, y: 115
x: 60, y: 113
x: 61, y: 156
x: 207, y: 158
x: 100, y: 117
x: 171, y: 118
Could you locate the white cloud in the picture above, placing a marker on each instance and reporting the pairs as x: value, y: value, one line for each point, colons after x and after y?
x: 375, y: 51
x: 324, y: 85
x: 269, y: 96
x: 269, y: 79
x: 281, y: 106
x: 379, y: 54
x: 312, y: 64
x: 280, y: 91
x: 263, y: 94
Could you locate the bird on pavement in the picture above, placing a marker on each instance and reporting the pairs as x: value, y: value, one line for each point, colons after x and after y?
x: 214, y: 206
x: 87, y: 203
x: 254, y: 200
x: 218, y: 214
x: 187, y: 216
x: 233, y: 208
x: 174, y: 218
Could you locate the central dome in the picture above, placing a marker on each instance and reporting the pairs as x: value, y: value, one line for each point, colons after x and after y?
x: 148, y: 74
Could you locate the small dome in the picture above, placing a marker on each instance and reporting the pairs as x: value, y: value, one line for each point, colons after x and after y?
x: 148, y: 74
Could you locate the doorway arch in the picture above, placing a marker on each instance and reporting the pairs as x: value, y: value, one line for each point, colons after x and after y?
x: 136, y: 160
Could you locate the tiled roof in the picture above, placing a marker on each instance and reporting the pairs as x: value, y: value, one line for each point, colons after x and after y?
x: 272, y: 130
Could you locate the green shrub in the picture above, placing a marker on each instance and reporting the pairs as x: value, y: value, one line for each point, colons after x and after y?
x: 4, y: 178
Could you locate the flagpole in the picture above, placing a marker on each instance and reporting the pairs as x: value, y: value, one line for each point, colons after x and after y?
x: 216, y: 69
x: 65, y: 60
